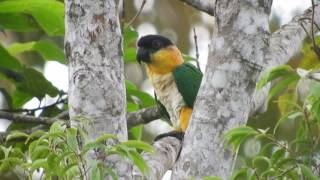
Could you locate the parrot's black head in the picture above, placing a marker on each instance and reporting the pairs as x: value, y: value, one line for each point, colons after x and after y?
x: 150, y: 44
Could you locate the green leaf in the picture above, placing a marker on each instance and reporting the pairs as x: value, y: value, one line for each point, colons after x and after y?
x: 18, y: 22
x: 282, y: 85
x: 47, y: 49
x: 261, y: 163
x: 278, y: 155
x: 21, y: 126
x: 139, y: 145
x: 186, y: 57
x: 70, y: 171
x: 289, y: 116
x: 16, y: 135
x: 36, y: 84
x: 19, y: 98
x: 136, y: 132
x: 274, y: 73
x: 131, y: 107
x: 53, y: 163
x: 39, y: 163
x: 237, y: 135
x: 240, y: 174
x: 47, y: 13
x: 129, y: 55
x: 39, y: 152
x: 145, y: 98
x: 7, y: 60
x: 95, y: 174
x: 72, y: 139
x: 130, y: 85
x: 111, y: 173
x: 307, y: 172
x: 130, y: 35
x: 138, y: 161
x: 105, y: 137
x: 8, y: 164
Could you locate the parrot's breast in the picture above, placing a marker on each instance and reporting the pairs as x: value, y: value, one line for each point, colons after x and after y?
x: 168, y: 94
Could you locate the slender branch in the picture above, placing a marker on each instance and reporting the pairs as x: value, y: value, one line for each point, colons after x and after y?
x: 142, y: 116
x: 197, y: 49
x: 138, y: 14
x: 26, y: 118
x: 207, y: 6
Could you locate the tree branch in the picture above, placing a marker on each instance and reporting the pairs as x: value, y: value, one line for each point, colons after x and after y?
x: 166, y: 152
x: 207, y: 6
x: 26, y: 118
x: 287, y: 41
x: 143, y: 116
x: 283, y: 44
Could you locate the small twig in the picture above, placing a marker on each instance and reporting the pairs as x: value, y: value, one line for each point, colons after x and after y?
x: 285, y: 172
x: 138, y: 14
x: 197, y: 49
x: 304, y: 28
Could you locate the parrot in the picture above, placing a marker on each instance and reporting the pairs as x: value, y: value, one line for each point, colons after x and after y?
x: 176, y: 82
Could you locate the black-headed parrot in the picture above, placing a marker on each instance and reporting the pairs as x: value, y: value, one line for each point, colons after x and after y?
x: 176, y: 83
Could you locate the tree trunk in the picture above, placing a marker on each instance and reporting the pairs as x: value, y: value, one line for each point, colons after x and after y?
x: 93, y: 45
x: 236, y: 58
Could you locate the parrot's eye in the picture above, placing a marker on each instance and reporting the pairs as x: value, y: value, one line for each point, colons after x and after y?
x: 156, y: 44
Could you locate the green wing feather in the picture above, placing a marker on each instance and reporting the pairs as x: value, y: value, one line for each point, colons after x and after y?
x: 163, y: 111
x: 188, y: 79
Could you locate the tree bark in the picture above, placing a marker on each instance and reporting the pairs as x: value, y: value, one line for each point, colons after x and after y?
x: 93, y: 46
x: 240, y: 51
x: 236, y: 58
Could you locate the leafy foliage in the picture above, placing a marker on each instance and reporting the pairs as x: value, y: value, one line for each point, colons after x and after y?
x: 277, y: 158
x: 61, y: 153
x: 56, y: 151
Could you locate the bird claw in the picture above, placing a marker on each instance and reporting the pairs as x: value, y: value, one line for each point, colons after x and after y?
x: 177, y: 134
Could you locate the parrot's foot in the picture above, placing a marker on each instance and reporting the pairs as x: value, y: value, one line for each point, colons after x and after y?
x: 177, y: 134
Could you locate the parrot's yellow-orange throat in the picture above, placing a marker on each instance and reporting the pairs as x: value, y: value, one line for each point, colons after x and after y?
x: 164, y: 61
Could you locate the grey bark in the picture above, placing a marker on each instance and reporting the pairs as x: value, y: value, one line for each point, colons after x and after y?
x: 240, y: 50
x: 93, y: 46
x: 207, y: 6
x: 166, y: 152
x: 236, y: 58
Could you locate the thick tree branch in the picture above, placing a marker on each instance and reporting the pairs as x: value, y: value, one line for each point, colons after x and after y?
x: 143, y: 116
x: 166, y: 152
x: 283, y: 44
x: 287, y: 41
x: 207, y: 6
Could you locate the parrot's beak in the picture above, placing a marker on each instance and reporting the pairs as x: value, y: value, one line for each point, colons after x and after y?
x: 143, y: 55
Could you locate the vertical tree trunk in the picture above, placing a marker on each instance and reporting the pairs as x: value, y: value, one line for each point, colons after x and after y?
x: 236, y: 58
x: 93, y: 46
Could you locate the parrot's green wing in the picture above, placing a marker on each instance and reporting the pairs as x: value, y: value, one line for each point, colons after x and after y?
x: 188, y: 79
x: 163, y: 111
